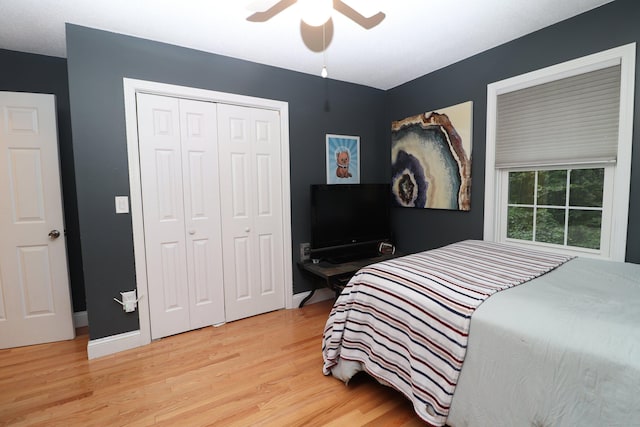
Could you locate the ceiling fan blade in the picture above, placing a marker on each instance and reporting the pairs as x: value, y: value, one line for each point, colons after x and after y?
x: 358, y: 18
x: 271, y: 12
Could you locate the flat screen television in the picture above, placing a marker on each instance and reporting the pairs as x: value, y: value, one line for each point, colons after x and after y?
x: 349, y: 220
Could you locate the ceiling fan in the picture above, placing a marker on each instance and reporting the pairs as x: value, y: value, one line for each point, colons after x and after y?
x: 338, y: 5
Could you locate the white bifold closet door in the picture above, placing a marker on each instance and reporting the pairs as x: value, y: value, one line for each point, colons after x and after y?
x: 251, y: 201
x: 181, y: 212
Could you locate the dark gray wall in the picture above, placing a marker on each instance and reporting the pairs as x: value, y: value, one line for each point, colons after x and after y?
x: 97, y: 63
x: 609, y: 26
x: 24, y: 72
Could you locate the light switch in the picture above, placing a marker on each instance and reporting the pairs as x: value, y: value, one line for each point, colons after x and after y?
x: 122, y: 204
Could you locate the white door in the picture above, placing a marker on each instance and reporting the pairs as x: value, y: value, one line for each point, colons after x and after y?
x: 35, y: 304
x: 180, y: 195
x: 251, y: 201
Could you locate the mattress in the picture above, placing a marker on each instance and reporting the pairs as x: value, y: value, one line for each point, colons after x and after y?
x: 560, y: 350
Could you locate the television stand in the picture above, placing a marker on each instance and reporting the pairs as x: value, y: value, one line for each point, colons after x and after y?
x: 336, y: 275
x: 352, y: 257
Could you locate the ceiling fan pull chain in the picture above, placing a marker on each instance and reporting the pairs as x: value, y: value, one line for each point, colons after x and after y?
x: 324, y: 73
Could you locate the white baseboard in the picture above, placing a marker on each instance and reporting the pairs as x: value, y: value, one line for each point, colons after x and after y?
x: 128, y: 340
x: 114, y: 344
x: 80, y: 319
x: 320, y: 295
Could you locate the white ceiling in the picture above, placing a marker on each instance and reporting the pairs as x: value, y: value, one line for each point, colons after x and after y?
x: 417, y: 36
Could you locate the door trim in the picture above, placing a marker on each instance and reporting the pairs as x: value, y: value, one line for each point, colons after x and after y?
x: 133, y: 86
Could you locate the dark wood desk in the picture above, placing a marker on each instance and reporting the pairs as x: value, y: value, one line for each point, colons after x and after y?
x: 336, y: 276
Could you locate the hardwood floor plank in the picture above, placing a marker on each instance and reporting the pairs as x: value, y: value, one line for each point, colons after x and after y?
x: 261, y: 371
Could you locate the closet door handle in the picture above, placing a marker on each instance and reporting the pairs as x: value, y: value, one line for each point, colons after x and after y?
x: 247, y: 229
x: 192, y: 232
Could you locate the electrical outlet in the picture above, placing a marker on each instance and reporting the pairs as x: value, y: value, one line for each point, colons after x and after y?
x: 305, y: 251
x: 129, y: 301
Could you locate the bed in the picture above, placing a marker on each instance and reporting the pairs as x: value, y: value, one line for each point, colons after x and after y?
x: 485, y: 334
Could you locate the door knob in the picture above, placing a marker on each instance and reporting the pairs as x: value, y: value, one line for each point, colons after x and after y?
x: 54, y: 234
x: 192, y: 232
x: 247, y: 229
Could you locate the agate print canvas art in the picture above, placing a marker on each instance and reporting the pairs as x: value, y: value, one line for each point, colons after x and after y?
x: 431, y: 159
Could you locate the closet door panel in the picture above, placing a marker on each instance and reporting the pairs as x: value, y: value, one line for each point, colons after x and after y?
x: 163, y: 214
x: 268, y: 213
x: 202, y: 212
x: 249, y: 149
x: 236, y: 207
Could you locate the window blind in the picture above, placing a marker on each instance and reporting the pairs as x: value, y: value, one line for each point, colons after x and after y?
x: 568, y: 121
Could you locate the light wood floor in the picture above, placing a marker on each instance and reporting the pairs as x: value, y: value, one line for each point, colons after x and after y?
x: 265, y: 370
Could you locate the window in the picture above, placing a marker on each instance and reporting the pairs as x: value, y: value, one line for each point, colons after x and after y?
x: 562, y: 207
x: 558, y: 156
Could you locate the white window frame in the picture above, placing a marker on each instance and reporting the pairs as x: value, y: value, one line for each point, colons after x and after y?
x: 617, y: 177
x: 607, y: 190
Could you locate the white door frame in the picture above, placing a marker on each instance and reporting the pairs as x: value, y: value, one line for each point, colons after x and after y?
x: 133, y: 86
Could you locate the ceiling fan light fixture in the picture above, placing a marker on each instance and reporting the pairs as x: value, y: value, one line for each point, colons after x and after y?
x: 315, y: 12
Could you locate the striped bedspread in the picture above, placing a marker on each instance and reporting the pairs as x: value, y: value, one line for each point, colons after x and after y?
x: 406, y: 321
